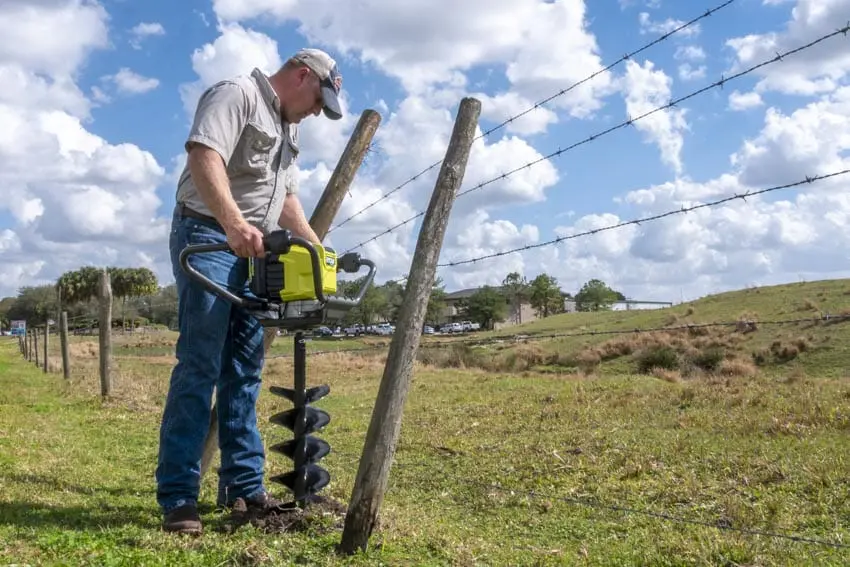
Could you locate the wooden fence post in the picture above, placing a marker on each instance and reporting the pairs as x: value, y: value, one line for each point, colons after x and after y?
x: 46, y: 340
x: 324, y: 213
x: 382, y: 436
x: 105, y: 332
x: 331, y: 199
x: 63, y: 341
x: 35, y: 344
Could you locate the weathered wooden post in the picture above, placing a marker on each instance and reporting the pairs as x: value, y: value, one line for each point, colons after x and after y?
x: 324, y: 213
x: 46, y: 340
x: 35, y: 344
x: 382, y: 436
x: 63, y: 340
x: 105, y: 334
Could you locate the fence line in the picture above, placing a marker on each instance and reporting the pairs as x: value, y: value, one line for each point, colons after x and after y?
x: 679, y: 211
x: 709, y: 12
x: 747, y: 324
x: 629, y: 122
x: 721, y: 524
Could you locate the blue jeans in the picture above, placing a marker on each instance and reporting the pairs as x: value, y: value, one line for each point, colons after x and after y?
x: 219, y: 348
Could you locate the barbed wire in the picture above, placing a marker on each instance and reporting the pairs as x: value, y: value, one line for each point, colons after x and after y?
x: 629, y: 122
x: 709, y: 12
x: 487, y: 341
x: 723, y: 524
x: 681, y: 210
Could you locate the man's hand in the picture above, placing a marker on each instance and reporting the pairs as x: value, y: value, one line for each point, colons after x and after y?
x: 292, y: 218
x: 245, y: 240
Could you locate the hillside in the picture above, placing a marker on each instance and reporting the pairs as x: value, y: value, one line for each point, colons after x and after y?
x: 720, y: 336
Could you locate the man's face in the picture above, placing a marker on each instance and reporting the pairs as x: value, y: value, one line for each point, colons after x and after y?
x: 306, y: 97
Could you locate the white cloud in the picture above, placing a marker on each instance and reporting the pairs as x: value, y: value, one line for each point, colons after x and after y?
x: 52, y: 38
x: 744, y: 101
x: 144, y: 30
x: 690, y: 73
x: 818, y: 69
x: 236, y: 51
x: 647, y: 25
x: 645, y: 89
x: 689, y: 53
x: 75, y: 198
x: 542, y: 46
x: 130, y: 82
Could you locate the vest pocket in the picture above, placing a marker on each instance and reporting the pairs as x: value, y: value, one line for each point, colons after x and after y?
x: 258, y: 150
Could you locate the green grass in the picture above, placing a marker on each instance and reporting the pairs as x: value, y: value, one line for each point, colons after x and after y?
x: 826, y: 343
x: 766, y: 453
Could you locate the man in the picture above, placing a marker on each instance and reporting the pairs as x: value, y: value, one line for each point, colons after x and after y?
x: 239, y: 184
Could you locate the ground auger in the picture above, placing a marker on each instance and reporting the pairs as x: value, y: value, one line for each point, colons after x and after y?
x: 291, y: 288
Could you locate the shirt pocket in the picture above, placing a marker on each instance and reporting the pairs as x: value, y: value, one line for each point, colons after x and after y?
x: 258, y: 150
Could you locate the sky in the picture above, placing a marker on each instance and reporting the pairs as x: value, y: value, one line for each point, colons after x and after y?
x: 98, y: 98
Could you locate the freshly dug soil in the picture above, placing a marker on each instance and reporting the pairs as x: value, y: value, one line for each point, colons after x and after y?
x: 319, y: 513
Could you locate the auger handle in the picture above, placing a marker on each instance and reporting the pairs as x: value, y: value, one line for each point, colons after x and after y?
x: 278, y: 242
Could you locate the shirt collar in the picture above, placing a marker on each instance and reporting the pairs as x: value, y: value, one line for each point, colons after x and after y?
x: 266, y: 89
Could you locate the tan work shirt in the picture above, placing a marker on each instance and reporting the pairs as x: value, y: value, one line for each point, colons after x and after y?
x: 240, y: 119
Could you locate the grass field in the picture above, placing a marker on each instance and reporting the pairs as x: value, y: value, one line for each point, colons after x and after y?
x: 560, y: 453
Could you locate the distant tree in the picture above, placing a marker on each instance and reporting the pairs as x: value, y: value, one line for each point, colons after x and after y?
x: 83, y: 285
x: 595, y: 295
x: 516, y: 289
x: 436, y: 303
x: 5, y: 304
x: 372, y: 307
x: 545, y: 295
x: 485, y: 307
x: 34, y: 304
x: 132, y: 283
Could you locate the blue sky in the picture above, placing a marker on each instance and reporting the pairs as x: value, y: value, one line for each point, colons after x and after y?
x: 597, y: 182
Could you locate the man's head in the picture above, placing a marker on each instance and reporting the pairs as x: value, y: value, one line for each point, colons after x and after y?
x: 308, y: 83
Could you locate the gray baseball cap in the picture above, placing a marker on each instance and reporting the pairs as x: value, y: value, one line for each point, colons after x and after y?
x: 325, y: 67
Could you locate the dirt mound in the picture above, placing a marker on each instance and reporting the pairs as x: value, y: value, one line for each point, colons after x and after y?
x: 318, y: 514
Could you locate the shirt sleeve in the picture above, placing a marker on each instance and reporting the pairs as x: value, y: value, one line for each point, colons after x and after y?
x: 220, y: 117
x: 293, y: 172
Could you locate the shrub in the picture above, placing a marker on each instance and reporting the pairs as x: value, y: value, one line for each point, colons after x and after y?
x: 737, y: 368
x: 709, y: 359
x: 657, y: 357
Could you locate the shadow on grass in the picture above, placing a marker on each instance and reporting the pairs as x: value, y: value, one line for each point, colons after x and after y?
x: 24, y: 514
x: 52, y: 484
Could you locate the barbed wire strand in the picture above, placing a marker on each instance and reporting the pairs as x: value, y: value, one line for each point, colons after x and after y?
x: 722, y: 524
x: 680, y: 211
x: 629, y: 122
x: 589, y: 333
x: 709, y: 12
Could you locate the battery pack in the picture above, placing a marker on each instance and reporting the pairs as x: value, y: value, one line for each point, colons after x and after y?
x: 289, y: 277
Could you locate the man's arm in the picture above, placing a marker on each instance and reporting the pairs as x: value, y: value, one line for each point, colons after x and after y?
x: 220, y: 117
x: 292, y: 218
x: 210, y: 178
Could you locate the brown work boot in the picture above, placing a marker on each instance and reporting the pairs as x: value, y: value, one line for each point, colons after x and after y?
x: 264, y: 503
x: 183, y: 520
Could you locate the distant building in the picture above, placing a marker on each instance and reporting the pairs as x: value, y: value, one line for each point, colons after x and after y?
x: 525, y: 313
x: 514, y: 315
x: 631, y: 304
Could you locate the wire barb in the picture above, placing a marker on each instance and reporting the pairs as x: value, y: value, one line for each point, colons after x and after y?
x: 546, y: 100
x: 631, y: 121
x: 807, y: 179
